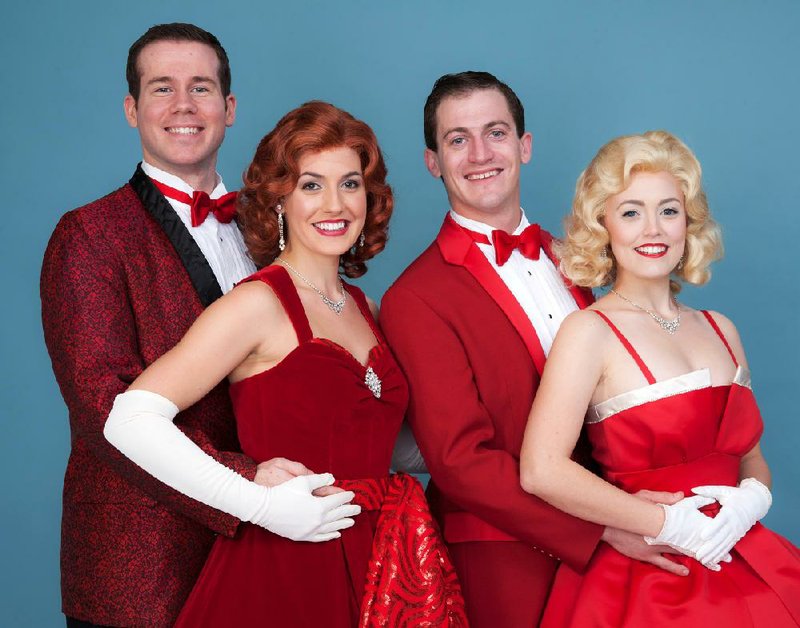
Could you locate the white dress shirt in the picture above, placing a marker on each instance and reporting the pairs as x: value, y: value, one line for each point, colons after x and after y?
x: 221, y: 244
x: 536, y: 284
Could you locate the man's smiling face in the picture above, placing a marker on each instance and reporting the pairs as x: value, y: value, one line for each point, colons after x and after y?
x: 181, y: 113
x: 479, y: 155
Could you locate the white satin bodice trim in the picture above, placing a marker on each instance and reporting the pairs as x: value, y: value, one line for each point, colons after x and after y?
x: 677, y: 385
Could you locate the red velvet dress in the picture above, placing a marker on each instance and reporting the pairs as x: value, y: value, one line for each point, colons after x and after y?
x: 671, y: 436
x: 314, y: 407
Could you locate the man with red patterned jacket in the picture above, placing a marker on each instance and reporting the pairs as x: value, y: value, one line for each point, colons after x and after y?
x: 471, y: 322
x: 123, y: 279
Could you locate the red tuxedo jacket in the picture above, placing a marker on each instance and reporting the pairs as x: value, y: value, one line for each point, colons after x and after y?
x: 122, y: 281
x: 473, y: 363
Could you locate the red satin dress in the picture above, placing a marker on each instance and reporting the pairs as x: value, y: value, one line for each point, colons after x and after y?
x: 671, y: 436
x: 316, y: 407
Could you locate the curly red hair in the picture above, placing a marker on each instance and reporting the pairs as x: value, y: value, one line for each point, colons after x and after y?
x: 312, y: 127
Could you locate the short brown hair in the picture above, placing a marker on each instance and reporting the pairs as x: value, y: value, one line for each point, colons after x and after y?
x: 313, y: 127
x: 463, y: 84
x: 177, y: 31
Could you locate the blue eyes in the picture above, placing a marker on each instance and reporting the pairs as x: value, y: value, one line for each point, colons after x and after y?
x: 667, y: 211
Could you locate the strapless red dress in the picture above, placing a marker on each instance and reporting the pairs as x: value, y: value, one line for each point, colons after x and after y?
x: 320, y: 406
x: 674, y: 435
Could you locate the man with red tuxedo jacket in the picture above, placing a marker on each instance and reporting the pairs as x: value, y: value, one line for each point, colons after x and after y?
x: 471, y: 322
x: 123, y: 279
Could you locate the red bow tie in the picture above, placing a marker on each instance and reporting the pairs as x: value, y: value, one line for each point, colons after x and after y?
x: 223, y: 208
x: 528, y: 242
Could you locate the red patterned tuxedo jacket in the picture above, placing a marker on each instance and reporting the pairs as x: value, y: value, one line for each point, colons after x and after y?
x: 121, y: 283
x: 473, y: 362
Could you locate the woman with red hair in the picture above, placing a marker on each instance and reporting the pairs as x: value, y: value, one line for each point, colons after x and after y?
x: 313, y: 386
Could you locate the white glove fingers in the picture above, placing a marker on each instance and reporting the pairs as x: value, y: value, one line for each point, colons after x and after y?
x: 714, y: 550
x: 717, y: 545
x: 697, y: 501
x: 339, y: 524
x: 717, y: 492
x: 725, y: 551
x: 347, y: 510
x: 335, y: 500
x: 327, y: 536
x: 317, y: 480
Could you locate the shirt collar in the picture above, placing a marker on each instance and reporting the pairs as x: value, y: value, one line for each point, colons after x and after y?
x: 179, y: 184
x: 481, y: 227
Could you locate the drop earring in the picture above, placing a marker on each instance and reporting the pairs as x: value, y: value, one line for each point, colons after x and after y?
x: 361, y: 240
x: 281, y: 239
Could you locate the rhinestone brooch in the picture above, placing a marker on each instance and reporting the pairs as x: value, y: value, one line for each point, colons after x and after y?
x: 373, y: 382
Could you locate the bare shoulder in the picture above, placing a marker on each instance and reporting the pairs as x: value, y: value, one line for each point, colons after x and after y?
x: 581, y: 330
x: 582, y: 323
x: 251, y: 302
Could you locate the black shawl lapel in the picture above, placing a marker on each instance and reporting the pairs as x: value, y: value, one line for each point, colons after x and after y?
x: 200, y: 273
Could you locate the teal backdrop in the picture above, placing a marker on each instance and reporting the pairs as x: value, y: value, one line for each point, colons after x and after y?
x: 721, y: 74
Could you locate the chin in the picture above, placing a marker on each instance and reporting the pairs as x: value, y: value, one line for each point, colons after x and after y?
x: 334, y: 251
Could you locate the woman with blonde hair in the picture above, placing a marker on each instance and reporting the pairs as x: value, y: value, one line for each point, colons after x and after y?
x: 664, y: 395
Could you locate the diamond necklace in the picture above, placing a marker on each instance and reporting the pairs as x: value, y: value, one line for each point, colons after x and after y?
x: 668, y: 326
x: 336, y: 306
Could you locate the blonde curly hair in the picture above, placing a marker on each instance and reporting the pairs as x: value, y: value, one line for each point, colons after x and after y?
x: 582, y: 252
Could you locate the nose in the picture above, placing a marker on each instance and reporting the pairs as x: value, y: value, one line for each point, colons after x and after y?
x: 480, y: 151
x: 652, y: 225
x: 333, y: 200
x: 183, y: 102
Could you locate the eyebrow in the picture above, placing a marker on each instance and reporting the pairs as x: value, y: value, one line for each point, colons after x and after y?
x: 167, y: 79
x: 353, y: 173
x: 488, y: 125
x: 641, y: 203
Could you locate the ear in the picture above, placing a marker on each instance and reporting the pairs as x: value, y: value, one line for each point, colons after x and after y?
x: 129, y: 104
x: 432, y: 163
x: 526, y: 147
x: 230, y: 110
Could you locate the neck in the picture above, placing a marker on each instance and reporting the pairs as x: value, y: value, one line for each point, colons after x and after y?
x: 322, y: 271
x: 201, y: 177
x: 205, y: 181
x: 652, y: 294
x: 506, y: 219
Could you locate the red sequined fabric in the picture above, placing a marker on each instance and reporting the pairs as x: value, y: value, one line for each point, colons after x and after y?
x: 410, y: 579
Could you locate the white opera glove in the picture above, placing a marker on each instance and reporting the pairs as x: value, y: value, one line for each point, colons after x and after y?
x: 742, y: 507
x: 140, y: 426
x: 683, y: 527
